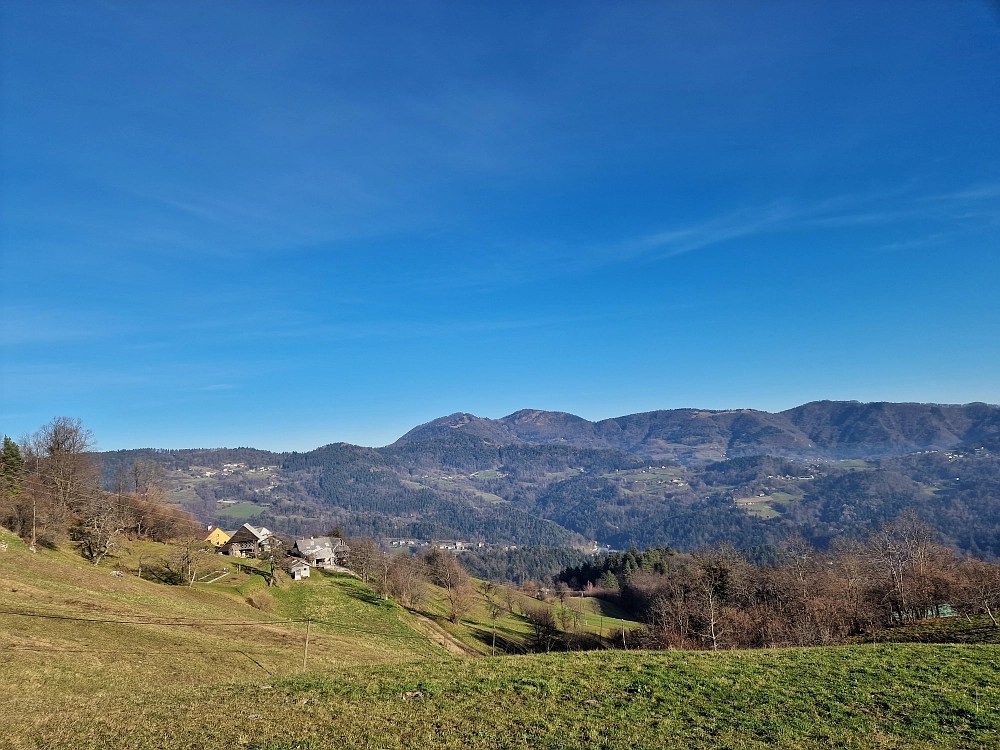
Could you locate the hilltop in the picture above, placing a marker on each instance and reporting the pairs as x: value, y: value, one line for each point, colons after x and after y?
x: 683, y: 478
x: 821, y: 429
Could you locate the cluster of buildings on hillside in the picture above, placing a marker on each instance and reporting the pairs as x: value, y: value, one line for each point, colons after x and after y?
x: 445, y: 544
x: 228, y: 469
x: 328, y: 553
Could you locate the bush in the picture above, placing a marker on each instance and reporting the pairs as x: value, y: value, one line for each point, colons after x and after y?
x: 262, y: 600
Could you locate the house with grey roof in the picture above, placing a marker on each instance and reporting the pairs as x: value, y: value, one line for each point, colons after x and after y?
x: 321, y: 551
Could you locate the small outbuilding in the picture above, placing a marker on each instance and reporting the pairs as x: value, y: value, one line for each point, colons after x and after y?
x: 297, y: 569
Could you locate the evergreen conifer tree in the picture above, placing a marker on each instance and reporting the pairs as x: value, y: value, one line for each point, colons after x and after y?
x: 11, y: 467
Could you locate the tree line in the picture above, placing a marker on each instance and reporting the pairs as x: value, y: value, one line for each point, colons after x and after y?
x: 716, y: 598
x: 405, y: 578
x: 522, y: 564
x: 51, y: 488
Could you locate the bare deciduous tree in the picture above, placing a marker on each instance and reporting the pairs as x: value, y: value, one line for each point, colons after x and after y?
x: 906, y: 555
x: 446, y: 572
x: 496, y: 607
x: 406, y: 581
x: 146, y: 476
x: 102, y: 527
x: 545, y: 634
x: 61, y: 479
x: 365, y: 558
x: 979, y: 589
x: 717, y: 575
x: 561, y: 591
x: 272, y: 554
x: 62, y: 449
x: 189, y: 555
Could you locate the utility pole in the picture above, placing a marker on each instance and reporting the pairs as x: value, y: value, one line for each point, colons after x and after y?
x: 624, y: 642
x: 32, y: 547
x: 305, y: 652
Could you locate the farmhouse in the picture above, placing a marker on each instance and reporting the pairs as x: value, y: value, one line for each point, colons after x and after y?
x: 215, y: 536
x: 321, y: 551
x: 247, y: 541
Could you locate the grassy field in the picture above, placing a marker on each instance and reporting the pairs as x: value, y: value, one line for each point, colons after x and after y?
x: 485, y: 474
x: 895, y: 696
x: 653, y: 480
x: 374, y: 680
x: 475, y: 630
x: 490, y: 497
x: 762, y: 509
x: 942, y: 630
x: 765, y: 506
x: 350, y: 626
x: 241, y: 511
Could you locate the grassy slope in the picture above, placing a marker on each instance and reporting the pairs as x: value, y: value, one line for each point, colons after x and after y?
x: 475, y: 629
x: 914, y: 696
x: 357, y: 628
x: 145, y: 689
x: 240, y: 511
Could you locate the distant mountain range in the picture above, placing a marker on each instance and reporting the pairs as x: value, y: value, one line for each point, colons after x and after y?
x: 682, y: 477
x: 820, y: 429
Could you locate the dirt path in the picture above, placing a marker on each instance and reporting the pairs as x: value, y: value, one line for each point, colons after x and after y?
x: 442, y: 637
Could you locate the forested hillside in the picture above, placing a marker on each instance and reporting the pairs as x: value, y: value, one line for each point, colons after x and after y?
x: 684, y: 478
x: 820, y: 429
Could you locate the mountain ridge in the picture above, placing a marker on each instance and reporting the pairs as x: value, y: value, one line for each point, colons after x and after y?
x: 683, y: 477
x: 817, y: 429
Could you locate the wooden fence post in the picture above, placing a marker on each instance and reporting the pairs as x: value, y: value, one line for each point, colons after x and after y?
x: 305, y: 652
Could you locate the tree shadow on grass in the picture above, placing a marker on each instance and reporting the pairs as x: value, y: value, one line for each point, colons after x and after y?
x: 505, y: 644
x: 361, y: 593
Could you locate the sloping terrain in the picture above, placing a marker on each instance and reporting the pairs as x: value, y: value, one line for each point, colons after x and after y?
x: 847, y: 429
x: 861, y: 697
x: 821, y: 429
x: 74, y: 620
x: 63, y: 620
x: 93, y: 660
x: 548, y: 478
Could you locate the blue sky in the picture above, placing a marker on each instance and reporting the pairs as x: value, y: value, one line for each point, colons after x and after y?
x: 287, y: 224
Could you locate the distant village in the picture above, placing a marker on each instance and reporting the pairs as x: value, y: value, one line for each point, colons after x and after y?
x: 228, y: 469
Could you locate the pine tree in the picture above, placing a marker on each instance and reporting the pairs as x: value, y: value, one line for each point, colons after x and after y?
x: 11, y: 467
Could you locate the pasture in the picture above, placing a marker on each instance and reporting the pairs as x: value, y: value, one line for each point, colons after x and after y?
x: 97, y: 661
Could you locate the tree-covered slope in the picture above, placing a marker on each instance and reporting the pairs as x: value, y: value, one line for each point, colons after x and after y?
x: 547, y: 478
x: 820, y: 429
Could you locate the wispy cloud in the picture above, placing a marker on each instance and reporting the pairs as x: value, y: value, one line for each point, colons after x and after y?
x: 918, y: 243
x: 742, y: 223
x: 21, y: 325
x: 986, y: 191
x: 894, y: 208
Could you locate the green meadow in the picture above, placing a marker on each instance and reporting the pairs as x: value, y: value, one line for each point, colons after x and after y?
x: 241, y: 511
x: 146, y: 665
